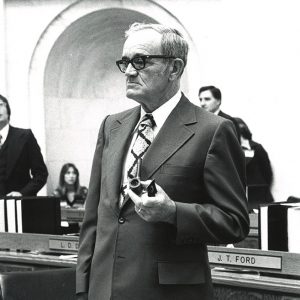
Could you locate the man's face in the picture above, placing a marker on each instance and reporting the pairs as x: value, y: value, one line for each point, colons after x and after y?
x: 4, y: 118
x: 208, y: 102
x: 149, y: 86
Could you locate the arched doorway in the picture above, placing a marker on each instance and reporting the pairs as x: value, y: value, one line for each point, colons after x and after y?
x: 73, y: 70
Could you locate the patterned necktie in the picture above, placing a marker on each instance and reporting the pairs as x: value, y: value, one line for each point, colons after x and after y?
x: 143, y: 141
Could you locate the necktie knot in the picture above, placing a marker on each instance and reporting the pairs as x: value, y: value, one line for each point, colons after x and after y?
x: 147, y: 121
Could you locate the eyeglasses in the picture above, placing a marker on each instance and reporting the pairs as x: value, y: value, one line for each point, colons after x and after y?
x: 138, y: 62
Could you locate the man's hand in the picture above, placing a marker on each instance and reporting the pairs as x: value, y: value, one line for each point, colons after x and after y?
x: 159, y: 208
x: 14, y: 194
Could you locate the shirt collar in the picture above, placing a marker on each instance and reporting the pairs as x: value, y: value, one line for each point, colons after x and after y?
x: 161, y: 113
x: 217, y: 111
x: 4, y: 132
x: 245, y: 143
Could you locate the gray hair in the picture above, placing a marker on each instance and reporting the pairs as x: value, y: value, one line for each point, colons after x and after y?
x: 172, y: 43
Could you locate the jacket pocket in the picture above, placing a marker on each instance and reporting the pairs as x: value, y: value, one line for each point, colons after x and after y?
x: 180, y: 273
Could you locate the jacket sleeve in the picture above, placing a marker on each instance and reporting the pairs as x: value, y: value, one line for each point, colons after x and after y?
x: 88, y: 229
x: 223, y: 218
x: 37, y: 166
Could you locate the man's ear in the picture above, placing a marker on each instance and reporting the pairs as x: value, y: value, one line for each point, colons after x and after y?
x: 177, y: 67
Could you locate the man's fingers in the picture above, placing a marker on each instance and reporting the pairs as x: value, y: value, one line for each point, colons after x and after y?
x: 135, y: 198
x: 145, y: 183
x: 141, y: 202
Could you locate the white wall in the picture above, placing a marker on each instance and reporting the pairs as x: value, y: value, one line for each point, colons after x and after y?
x: 251, y: 50
x: 25, y: 22
x: 248, y: 48
x: 2, y: 49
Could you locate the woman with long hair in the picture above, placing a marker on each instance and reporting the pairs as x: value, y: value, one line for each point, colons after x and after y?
x: 69, y: 189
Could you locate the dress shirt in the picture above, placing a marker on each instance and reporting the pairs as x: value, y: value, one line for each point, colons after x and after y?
x: 217, y: 111
x: 4, y: 133
x: 159, y: 115
x: 245, y: 143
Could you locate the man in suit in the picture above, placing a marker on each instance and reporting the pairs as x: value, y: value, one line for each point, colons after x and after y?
x: 210, y: 99
x: 22, y: 168
x: 140, y: 246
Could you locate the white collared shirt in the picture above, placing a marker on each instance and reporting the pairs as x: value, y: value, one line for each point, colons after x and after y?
x: 159, y: 115
x: 4, y: 133
x: 217, y: 111
x: 248, y: 151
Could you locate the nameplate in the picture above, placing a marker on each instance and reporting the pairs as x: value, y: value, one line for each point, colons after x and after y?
x: 75, y: 214
x: 245, y: 260
x: 63, y: 245
x: 70, y: 214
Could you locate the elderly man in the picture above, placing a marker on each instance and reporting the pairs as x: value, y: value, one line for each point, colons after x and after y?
x: 153, y: 245
x: 22, y: 168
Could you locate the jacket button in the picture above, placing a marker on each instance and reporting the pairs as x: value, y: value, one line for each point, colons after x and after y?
x: 121, y: 220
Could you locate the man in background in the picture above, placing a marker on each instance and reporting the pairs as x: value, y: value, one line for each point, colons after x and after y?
x: 259, y: 171
x: 146, y: 245
x: 210, y: 99
x: 22, y: 168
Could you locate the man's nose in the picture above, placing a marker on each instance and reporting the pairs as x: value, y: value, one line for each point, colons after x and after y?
x: 130, y: 70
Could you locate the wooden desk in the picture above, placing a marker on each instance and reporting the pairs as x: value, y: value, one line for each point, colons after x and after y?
x: 19, y: 261
x: 72, y: 214
x: 238, y: 286
x: 274, y: 275
x: 228, y: 285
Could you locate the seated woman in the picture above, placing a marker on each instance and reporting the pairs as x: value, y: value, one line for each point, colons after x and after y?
x: 69, y: 189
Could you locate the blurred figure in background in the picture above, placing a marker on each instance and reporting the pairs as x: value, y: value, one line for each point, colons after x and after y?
x: 22, y: 168
x: 69, y: 189
x: 210, y: 99
x: 258, y: 168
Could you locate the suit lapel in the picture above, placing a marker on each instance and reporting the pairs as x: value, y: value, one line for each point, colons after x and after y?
x: 119, y: 140
x: 171, y: 137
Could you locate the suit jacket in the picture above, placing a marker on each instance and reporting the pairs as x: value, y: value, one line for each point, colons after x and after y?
x: 198, y: 161
x: 259, y: 177
x: 26, y: 171
x: 232, y: 119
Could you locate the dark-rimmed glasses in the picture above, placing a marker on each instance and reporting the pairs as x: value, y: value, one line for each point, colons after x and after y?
x: 138, y: 62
